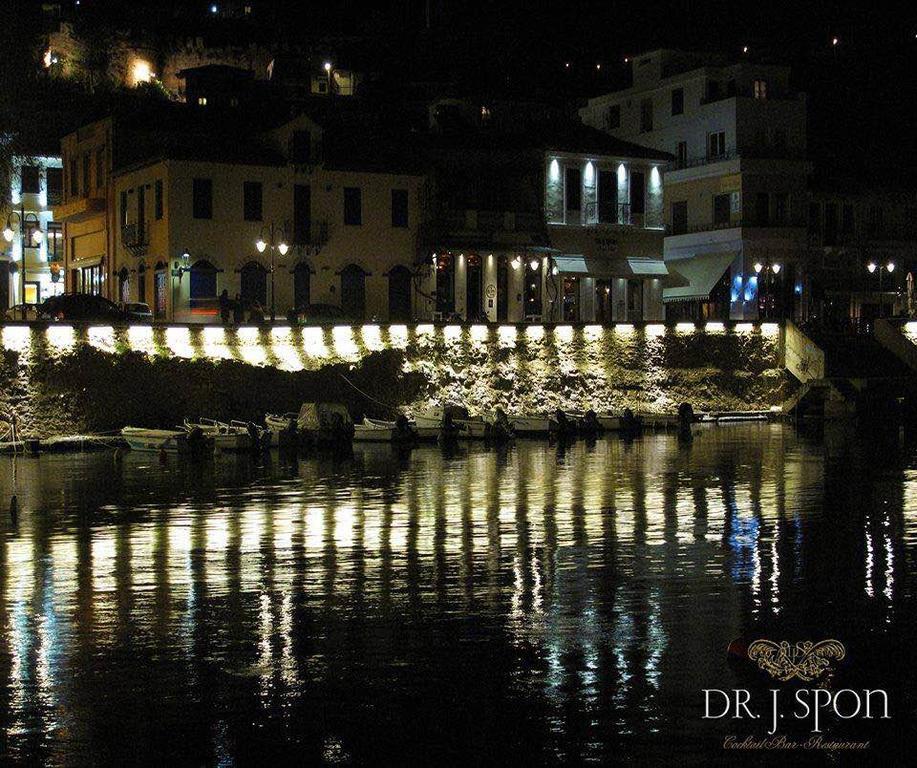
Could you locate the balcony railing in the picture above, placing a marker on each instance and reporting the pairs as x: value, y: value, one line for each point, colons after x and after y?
x: 786, y: 223
x: 621, y: 215
x: 312, y: 234
x: 769, y: 152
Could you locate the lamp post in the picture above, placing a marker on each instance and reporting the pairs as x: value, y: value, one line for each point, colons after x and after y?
x: 772, y: 270
x: 871, y: 267
x: 22, y: 220
x: 276, y: 240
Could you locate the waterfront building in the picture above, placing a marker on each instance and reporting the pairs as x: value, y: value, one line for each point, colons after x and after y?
x: 735, y: 194
x: 346, y: 233
x: 862, y: 256
x: 546, y: 220
x: 32, y: 245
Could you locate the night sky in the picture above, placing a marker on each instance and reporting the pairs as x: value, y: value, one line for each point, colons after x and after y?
x: 860, y: 91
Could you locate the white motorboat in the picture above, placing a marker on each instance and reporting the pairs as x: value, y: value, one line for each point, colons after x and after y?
x: 234, y: 436
x: 379, y: 431
x: 277, y: 423
x: 156, y: 440
x: 316, y: 424
x: 531, y: 425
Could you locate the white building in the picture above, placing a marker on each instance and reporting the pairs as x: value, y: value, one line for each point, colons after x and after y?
x: 32, y: 246
x: 735, y: 195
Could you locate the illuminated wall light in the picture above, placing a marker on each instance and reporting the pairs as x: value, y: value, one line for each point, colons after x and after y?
x: 744, y: 327
x: 910, y: 328
x: 564, y: 333
x: 624, y: 329
x: 452, y: 332
x: 589, y: 175
x: 61, y: 337
x: 178, y: 340
x: 655, y: 178
x: 554, y: 170
x: 141, y: 71
x: 372, y: 338
x: 534, y: 332
x: 140, y: 339
x: 770, y: 329
x: 506, y: 336
x: 425, y: 329
x: 345, y: 346
x: 622, y: 173
x: 593, y: 332
x: 102, y: 338
x: 479, y: 333
x: 714, y: 326
x: 283, y: 350
x: 213, y: 339
x: 685, y: 327
x: 313, y: 342
x: 398, y: 336
x: 655, y: 329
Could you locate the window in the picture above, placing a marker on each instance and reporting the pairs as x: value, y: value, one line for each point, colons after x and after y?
x: 847, y: 223
x: 159, y: 290
x: 721, y: 209
x: 681, y: 154
x: 74, y: 180
x: 634, y: 300
x: 399, y: 207
x: 716, y: 145
x: 86, y: 172
x: 613, y: 117
x: 608, y: 197
x: 31, y: 180
x: 646, y: 116
x: 203, y: 282
x: 760, y: 89
x: 123, y: 209
x: 678, y: 101
x: 157, y: 199
x: 251, y: 201
x: 353, y: 206
x: 141, y: 214
x: 202, y: 198
x: 100, y: 167
x: 302, y: 214
x: 55, y: 241
x: 680, y: 217
x: 124, y: 285
x: 302, y: 285
x: 141, y: 283
x: 573, y: 190
x: 637, y: 193
x: 55, y: 185
x: 781, y: 207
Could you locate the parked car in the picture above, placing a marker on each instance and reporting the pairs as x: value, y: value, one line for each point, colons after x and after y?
x: 81, y: 307
x: 15, y: 313
x: 137, y: 312
x: 316, y: 314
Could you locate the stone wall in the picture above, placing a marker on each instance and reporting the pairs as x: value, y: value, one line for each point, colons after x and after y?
x: 64, y: 380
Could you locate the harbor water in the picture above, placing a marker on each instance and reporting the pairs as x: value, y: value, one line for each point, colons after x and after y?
x: 534, y: 604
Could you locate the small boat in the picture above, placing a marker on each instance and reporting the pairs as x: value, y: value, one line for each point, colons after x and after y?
x: 585, y: 422
x: 316, y: 424
x: 235, y: 436
x: 454, y: 421
x: 609, y: 422
x: 169, y: 440
x: 378, y: 431
x: 528, y: 426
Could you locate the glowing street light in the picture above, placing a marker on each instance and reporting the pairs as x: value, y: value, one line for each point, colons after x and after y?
x: 871, y: 267
x: 272, y: 237
x: 890, y: 266
x: 775, y: 268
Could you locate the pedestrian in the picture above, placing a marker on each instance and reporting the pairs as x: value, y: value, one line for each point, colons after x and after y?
x: 224, y: 307
x: 238, y: 310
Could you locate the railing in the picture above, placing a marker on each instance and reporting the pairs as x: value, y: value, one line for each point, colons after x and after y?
x: 134, y: 239
x: 314, y: 234
x: 788, y: 223
x: 620, y: 214
x: 771, y: 152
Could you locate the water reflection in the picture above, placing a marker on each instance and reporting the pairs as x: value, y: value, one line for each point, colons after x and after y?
x: 537, y: 602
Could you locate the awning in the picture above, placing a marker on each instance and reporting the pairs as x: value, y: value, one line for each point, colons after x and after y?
x: 647, y: 267
x: 701, y: 272
x: 577, y: 264
x: 571, y: 265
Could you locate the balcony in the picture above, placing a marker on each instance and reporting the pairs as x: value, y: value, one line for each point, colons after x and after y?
x: 769, y: 152
x: 80, y: 209
x: 787, y: 223
x: 311, y: 235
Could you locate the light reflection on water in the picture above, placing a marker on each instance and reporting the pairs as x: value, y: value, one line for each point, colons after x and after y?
x: 535, y: 603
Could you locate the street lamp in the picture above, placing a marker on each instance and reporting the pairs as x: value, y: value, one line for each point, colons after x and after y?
x: 871, y: 267
x: 275, y: 241
x: 765, y: 293
x: 22, y: 219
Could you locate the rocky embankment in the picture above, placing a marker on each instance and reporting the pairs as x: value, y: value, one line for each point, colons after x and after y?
x: 59, y: 380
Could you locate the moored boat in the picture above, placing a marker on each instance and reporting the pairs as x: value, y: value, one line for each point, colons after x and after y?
x: 235, y: 436
x: 379, y: 431
x: 326, y: 425
x: 527, y: 426
x: 169, y: 440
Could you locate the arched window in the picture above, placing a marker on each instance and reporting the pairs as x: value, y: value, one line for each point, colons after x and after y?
x: 353, y: 292
x: 203, y: 282
x: 399, y: 293
x: 302, y: 285
x: 124, y: 285
x: 160, y: 284
x: 253, y: 283
x: 141, y: 283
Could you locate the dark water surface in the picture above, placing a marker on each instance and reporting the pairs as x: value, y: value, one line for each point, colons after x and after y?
x: 526, y: 606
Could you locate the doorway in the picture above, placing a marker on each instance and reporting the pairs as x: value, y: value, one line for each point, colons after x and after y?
x: 353, y: 292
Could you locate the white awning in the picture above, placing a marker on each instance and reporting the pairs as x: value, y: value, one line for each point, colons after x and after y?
x: 701, y: 273
x: 577, y: 264
x: 570, y: 264
x: 647, y: 267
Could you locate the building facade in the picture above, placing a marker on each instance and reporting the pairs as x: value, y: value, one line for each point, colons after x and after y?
x: 735, y: 195
x: 32, y: 245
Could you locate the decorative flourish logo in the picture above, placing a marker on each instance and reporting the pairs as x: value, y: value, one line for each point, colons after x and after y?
x: 804, y: 660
